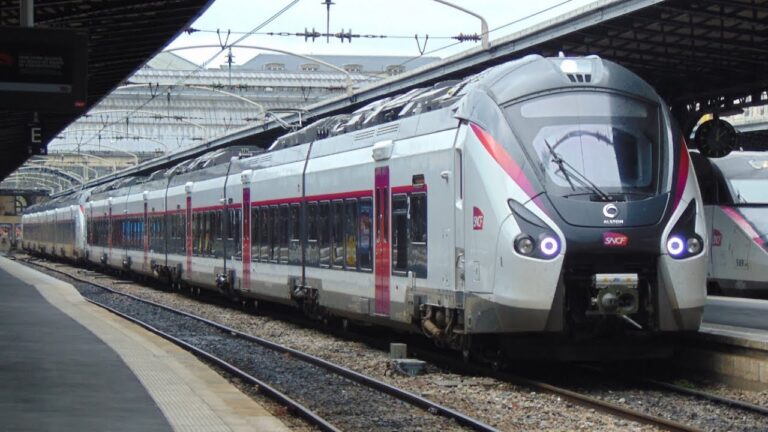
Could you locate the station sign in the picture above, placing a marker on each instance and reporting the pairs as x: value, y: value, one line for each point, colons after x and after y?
x: 43, y: 69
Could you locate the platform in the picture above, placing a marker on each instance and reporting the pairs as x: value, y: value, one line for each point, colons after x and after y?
x: 67, y: 365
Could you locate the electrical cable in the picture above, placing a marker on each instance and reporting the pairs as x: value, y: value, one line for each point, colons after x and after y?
x: 199, y: 68
x: 490, y: 31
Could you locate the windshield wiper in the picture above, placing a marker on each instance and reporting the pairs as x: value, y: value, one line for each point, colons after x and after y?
x: 561, y: 164
x: 564, y: 167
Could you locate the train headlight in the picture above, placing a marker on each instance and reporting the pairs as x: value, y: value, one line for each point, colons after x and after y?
x: 683, y: 242
x: 693, y: 245
x: 549, y: 246
x: 536, y: 238
x: 675, y: 246
x: 524, y: 245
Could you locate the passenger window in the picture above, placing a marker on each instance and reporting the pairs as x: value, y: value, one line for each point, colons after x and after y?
x: 350, y: 225
x: 365, y: 219
x: 208, y: 241
x: 264, y: 234
x: 237, y: 232
x: 337, y: 234
x: 274, y: 235
x: 417, y: 259
x: 324, y: 234
x: 284, y: 225
x: 218, y: 218
x: 294, y: 253
x: 255, y: 234
x: 399, y: 234
x: 195, y: 233
x: 313, y: 253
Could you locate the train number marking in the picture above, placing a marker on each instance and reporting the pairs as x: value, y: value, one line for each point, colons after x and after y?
x: 477, y: 219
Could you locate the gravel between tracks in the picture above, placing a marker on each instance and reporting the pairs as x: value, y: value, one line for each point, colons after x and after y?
x: 346, y: 404
x: 690, y: 410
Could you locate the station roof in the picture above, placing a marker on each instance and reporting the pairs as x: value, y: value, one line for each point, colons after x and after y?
x: 699, y: 54
x: 122, y: 36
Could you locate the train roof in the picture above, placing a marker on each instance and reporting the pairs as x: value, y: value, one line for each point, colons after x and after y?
x: 533, y: 74
x: 743, y: 165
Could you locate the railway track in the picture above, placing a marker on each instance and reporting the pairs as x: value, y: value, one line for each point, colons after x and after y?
x: 582, y: 398
x: 326, y: 395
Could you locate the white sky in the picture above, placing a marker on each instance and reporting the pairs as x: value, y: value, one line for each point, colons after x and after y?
x: 380, y: 17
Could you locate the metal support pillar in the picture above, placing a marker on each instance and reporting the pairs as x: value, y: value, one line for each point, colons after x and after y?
x: 27, y: 13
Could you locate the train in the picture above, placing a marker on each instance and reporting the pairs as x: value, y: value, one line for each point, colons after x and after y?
x: 543, y: 202
x: 734, y: 190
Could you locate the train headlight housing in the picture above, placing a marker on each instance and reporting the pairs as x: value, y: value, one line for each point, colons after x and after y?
x: 694, y: 245
x: 524, y: 245
x: 537, y: 239
x: 683, y: 242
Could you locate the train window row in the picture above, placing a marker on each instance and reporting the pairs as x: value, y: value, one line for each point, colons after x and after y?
x: 338, y: 233
x: 214, y: 231
x: 57, y: 231
x: 128, y: 233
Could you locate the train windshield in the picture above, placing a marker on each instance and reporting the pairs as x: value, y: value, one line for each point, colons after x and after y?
x: 591, y: 143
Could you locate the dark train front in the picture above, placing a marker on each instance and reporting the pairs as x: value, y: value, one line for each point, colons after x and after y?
x: 599, y: 217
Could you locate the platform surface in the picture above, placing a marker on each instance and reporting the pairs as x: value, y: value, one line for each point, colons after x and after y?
x: 737, y: 312
x: 67, y: 365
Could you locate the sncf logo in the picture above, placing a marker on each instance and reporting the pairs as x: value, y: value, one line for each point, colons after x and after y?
x: 477, y: 218
x: 612, y: 239
x: 717, y: 237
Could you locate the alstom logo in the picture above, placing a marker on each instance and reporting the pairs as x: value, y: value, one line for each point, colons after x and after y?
x: 612, y: 239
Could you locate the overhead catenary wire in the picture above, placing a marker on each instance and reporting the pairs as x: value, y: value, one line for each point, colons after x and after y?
x: 513, y: 22
x: 201, y: 66
x: 342, y: 35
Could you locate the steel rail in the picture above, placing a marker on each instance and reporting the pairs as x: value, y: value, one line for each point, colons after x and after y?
x: 746, y: 406
x: 600, y: 404
x: 403, y: 395
x: 263, y: 387
x: 575, y: 397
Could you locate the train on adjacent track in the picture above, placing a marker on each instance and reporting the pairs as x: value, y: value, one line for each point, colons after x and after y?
x: 544, y: 202
x: 734, y: 190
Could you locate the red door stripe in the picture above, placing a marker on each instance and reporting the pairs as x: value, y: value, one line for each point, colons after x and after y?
x: 246, y: 238
x: 188, y: 243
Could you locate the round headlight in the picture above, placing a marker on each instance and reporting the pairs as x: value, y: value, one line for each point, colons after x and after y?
x: 693, y: 245
x: 675, y: 246
x: 549, y: 246
x: 524, y: 245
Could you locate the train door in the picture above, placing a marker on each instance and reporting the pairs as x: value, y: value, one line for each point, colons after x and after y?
x: 459, y: 224
x: 382, y: 249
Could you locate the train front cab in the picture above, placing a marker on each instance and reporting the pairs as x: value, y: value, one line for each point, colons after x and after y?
x: 554, y: 243
x: 735, y: 193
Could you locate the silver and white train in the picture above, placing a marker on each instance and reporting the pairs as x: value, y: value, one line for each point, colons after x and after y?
x: 735, y: 193
x: 545, y: 199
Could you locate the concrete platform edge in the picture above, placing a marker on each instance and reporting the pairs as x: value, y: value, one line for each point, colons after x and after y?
x: 191, y: 395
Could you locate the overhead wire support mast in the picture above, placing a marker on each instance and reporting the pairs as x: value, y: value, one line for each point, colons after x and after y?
x: 483, y: 22
x: 328, y: 4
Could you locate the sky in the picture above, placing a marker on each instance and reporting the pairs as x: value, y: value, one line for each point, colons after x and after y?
x: 405, y: 18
